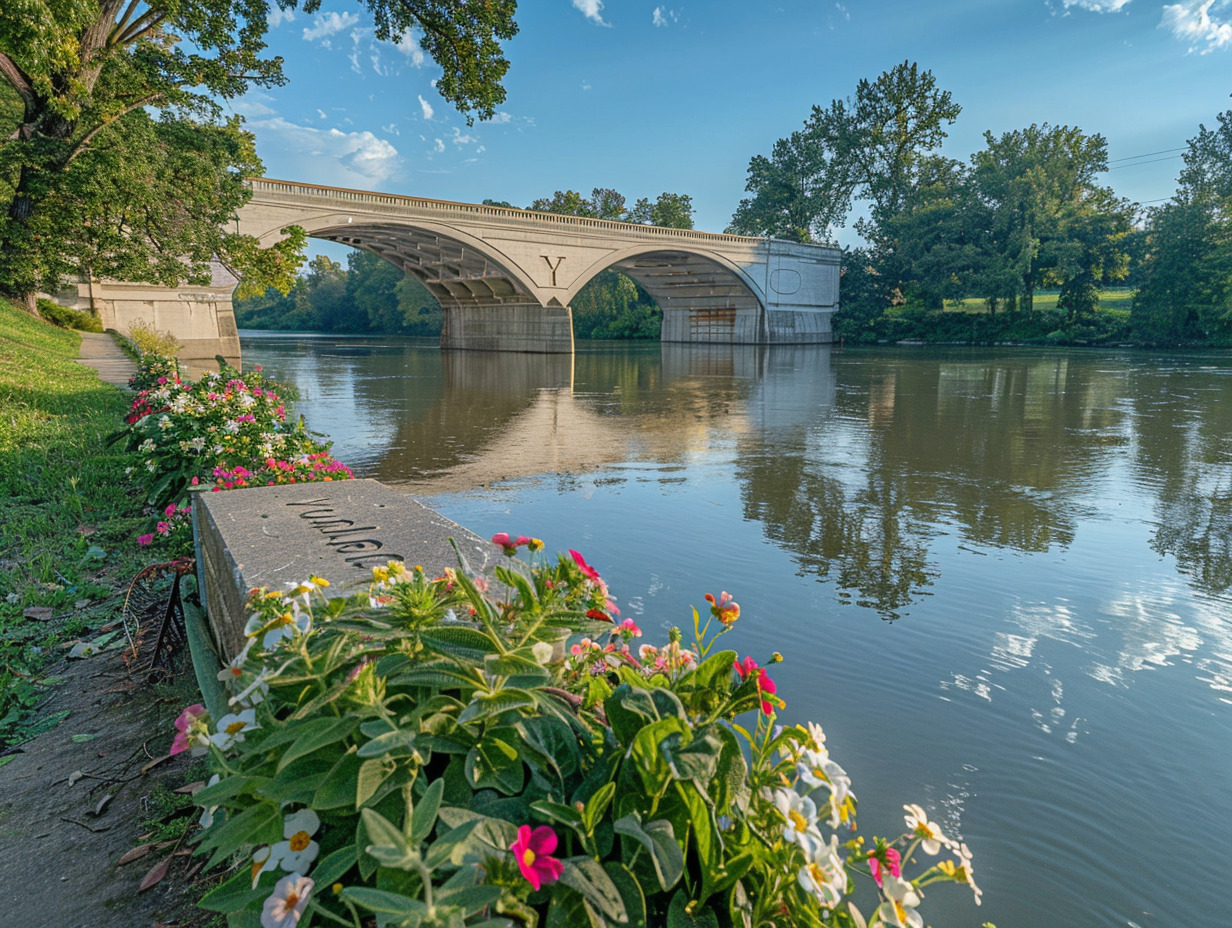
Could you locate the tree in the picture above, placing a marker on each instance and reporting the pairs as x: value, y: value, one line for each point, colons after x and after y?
x: 867, y: 146
x: 1051, y: 222
x: 1187, y: 272
x: 85, y: 74
x: 797, y: 192
x: 670, y: 210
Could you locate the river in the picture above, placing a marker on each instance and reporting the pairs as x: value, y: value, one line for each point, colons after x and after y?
x: 1000, y: 577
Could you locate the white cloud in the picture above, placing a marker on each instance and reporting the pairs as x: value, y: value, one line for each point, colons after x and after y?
x: 500, y: 119
x: 662, y: 17
x: 409, y: 46
x: 391, y: 129
x: 321, y: 113
x: 427, y: 107
x: 327, y: 24
x: 251, y: 108
x: 331, y: 155
x: 586, y: 85
x: 277, y: 16
x: 1098, y: 6
x: 847, y: 15
x: 1191, y: 20
x: 591, y: 9
x: 460, y: 139
x: 438, y: 146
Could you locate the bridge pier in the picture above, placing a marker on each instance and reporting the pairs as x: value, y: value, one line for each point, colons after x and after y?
x: 518, y: 327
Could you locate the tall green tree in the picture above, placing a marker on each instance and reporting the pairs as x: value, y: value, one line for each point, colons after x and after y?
x: 868, y: 146
x: 86, y: 73
x: 1186, y: 293
x: 1052, y: 223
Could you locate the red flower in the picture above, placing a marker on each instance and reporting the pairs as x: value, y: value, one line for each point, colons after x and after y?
x: 892, y: 863
x: 531, y: 850
x: 587, y: 571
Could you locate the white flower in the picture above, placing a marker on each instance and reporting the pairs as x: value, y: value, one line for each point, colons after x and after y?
x: 899, y: 907
x: 231, y: 728
x: 823, y: 874
x: 164, y: 422
x: 207, y: 817
x: 965, y: 869
x: 262, y: 862
x: 284, y: 907
x: 231, y: 426
x: 146, y: 446
x: 800, y: 818
x: 298, y: 851
x: 920, y: 827
x: 246, y: 400
x: 818, y: 739
x: 197, y: 443
x: 287, y: 625
x: 542, y: 651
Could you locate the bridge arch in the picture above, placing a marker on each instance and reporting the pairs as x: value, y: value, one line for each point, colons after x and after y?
x: 704, y: 296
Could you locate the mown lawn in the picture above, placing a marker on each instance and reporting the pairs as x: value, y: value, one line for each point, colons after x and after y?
x: 1114, y: 301
x: 69, y: 516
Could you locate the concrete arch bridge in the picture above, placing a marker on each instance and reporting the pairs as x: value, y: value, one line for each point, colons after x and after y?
x: 505, y: 277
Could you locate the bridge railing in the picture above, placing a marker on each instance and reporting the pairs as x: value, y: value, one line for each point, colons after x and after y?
x: 294, y: 188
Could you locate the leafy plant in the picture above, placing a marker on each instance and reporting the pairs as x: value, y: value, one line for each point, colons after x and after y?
x: 435, y: 753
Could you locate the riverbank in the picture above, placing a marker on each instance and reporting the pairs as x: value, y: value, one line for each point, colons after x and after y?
x: 79, y: 739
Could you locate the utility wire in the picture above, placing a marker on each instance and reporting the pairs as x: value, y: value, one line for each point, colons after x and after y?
x: 1146, y: 155
x: 1137, y: 163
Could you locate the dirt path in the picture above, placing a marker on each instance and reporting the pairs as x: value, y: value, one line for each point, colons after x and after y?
x: 72, y: 803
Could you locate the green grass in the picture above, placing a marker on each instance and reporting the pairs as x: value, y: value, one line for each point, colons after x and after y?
x: 68, y: 515
x: 1114, y: 301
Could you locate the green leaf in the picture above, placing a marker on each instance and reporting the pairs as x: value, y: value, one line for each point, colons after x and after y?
x: 659, y: 840
x: 486, y: 705
x: 339, y: 788
x: 372, y: 773
x: 588, y: 877
x: 387, y: 903
x: 714, y: 673
x: 648, y: 756
x: 469, y: 898
x: 389, y: 846
x: 696, y: 760
x: 684, y: 913
x: 630, y: 892
x: 257, y: 824
x: 400, y: 740
x: 317, y: 734
x: 332, y: 867
x: 459, y: 642
x: 423, y: 818
x: 597, y: 805
x: 559, y: 812
x: 231, y: 787
x: 236, y: 893
x: 705, y: 833
x: 494, y: 764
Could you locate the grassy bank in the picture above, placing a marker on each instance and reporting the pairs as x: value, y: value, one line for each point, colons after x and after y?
x: 68, y: 515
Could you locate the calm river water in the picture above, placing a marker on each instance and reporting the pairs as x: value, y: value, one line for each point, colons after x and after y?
x: 1001, y: 578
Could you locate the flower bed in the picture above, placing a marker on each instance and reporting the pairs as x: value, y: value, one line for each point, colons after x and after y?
x: 431, y: 753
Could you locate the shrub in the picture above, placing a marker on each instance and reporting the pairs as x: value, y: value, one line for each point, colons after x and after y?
x: 150, y: 340
x: 67, y: 318
x: 427, y: 754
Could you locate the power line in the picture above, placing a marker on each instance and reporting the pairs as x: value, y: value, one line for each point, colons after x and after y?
x: 1146, y: 155
x: 1137, y: 163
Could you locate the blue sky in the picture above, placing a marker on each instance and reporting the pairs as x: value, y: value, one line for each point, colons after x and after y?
x: 648, y: 96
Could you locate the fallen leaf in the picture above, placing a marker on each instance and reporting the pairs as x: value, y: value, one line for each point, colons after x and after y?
x: 155, y: 762
x: 191, y: 789
x: 135, y: 854
x: 74, y: 777
x: 81, y: 604
x: 87, y: 530
x: 156, y: 873
x: 38, y: 613
x: 102, y: 804
x: 83, y: 738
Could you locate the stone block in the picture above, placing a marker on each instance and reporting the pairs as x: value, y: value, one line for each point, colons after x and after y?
x: 338, y: 530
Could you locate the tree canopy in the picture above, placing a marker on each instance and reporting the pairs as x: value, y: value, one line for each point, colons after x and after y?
x: 114, y: 107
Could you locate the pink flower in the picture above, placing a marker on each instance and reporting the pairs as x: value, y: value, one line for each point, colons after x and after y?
x: 170, y: 510
x: 725, y: 609
x: 629, y: 627
x: 505, y: 543
x: 587, y: 571
x: 183, y: 724
x: 765, y: 686
x: 531, y: 850
x: 145, y: 539
x: 892, y: 863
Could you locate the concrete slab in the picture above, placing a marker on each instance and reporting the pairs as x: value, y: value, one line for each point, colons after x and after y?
x: 339, y: 530
x: 99, y: 351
